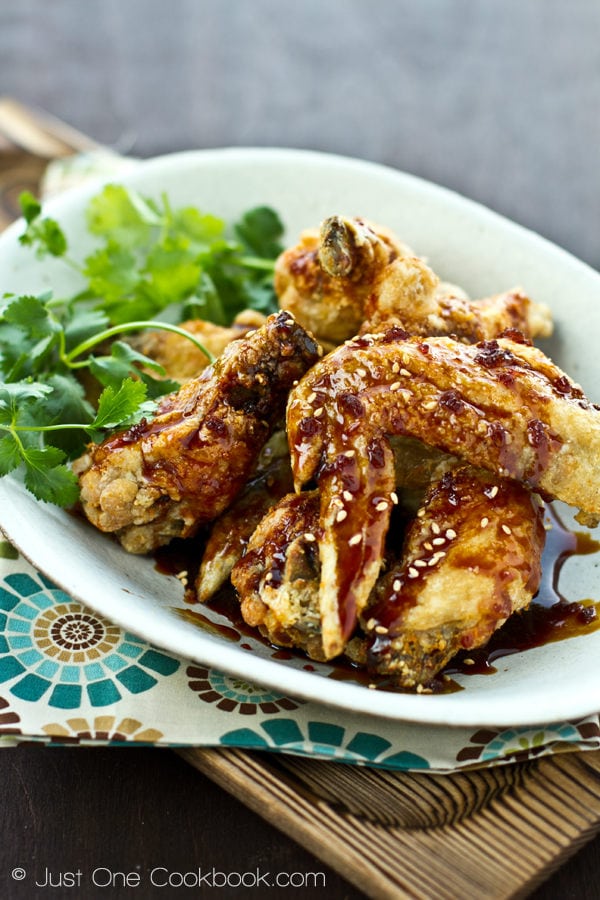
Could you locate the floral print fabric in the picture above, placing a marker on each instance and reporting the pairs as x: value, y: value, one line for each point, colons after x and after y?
x: 67, y: 675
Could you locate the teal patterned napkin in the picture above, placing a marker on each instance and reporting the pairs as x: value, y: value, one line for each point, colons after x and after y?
x: 67, y: 675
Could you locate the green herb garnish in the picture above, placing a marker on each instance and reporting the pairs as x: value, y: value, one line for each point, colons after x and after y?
x: 154, y: 267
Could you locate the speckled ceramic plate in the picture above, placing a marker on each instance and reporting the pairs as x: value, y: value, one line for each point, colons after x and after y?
x: 465, y: 244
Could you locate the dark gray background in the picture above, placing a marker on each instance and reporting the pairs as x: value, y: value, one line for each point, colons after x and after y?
x: 499, y: 100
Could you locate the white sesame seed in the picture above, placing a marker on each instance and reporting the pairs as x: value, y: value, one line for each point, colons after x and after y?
x: 405, y: 373
x: 339, y: 419
x: 362, y: 373
x: 420, y: 513
x: 439, y: 554
x: 493, y: 492
x: 309, y: 536
x: 355, y: 539
x: 394, y: 498
x: 437, y: 542
x: 420, y: 563
x: 428, y: 545
x: 371, y: 624
x: 450, y: 534
x: 397, y: 585
x: 341, y: 515
x: 381, y: 629
x: 350, y: 453
x: 311, y: 398
x: 469, y: 661
x: 435, y: 528
x: 269, y: 576
x: 318, y: 412
x: 395, y: 386
x: 396, y: 368
x: 485, y: 522
x: 431, y: 404
x: 412, y: 572
x: 506, y: 529
x: 347, y: 496
x: 381, y: 506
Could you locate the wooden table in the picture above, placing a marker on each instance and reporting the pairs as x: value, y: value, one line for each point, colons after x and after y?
x: 499, y: 101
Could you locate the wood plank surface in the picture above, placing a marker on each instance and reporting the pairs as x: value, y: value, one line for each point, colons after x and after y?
x: 493, y: 833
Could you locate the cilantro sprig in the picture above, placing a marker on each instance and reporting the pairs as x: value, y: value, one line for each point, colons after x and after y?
x: 153, y: 267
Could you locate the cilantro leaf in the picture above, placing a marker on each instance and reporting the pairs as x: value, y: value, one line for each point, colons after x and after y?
x: 10, y: 456
x: 112, y: 272
x: 117, y: 406
x: 261, y: 230
x: 48, y: 479
x: 45, y: 235
x: 121, y: 215
x: 124, y: 361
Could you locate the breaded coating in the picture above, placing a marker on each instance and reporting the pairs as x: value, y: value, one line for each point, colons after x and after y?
x: 277, y: 579
x: 331, y: 303
x: 165, y: 477
x: 500, y: 405
x: 183, y: 360
x: 353, y: 276
x: 471, y: 557
x: 233, y: 529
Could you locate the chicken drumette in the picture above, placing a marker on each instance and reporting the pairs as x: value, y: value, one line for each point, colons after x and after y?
x: 165, y: 477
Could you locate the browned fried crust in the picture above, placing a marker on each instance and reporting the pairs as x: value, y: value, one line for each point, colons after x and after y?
x: 233, y: 529
x: 165, y: 477
x: 278, y: 577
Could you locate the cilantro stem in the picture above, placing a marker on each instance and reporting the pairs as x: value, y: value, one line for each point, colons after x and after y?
x: 257, y: 262
x: 14, y: 429
x: 130, y: 326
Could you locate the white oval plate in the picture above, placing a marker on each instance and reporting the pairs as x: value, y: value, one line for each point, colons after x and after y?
x: 465, y: 244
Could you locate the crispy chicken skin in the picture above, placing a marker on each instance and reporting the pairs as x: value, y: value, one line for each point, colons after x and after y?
x: 277, y: 579
x: 325, y: 280
x: 183, y: 360
x: 355, y: 276
x: 165, y: 477
x: 471, y: 557
x: 233, y: 529
x: 500, y: 405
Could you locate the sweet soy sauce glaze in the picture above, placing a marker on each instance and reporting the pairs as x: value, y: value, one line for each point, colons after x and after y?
x: 550, y: 617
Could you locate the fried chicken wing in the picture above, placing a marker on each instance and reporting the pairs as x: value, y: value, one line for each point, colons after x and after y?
x: 354, y: 276
x: 165, y: 477
x: 326, y: 279
x: 233, y: 529
x: 500, y: 405
x: 277, y: 578
x: 471, y: 557
x: 182, y: 359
